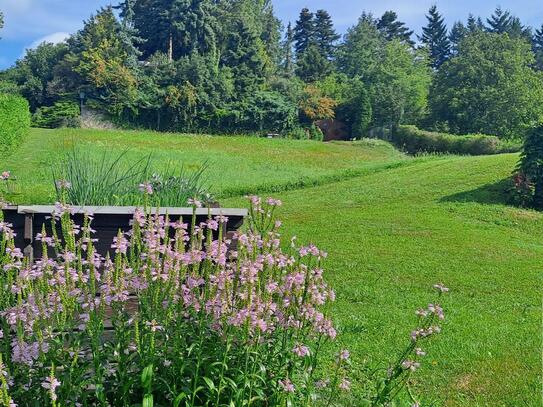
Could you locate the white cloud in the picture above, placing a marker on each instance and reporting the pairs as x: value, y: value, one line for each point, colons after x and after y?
x: 54, y: 38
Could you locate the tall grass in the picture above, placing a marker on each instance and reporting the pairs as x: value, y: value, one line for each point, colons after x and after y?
x: 112, y: 179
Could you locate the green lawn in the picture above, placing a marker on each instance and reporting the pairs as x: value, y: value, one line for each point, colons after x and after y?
x: 393, y: 227
x: 237, y: 165
x: 392, y: 235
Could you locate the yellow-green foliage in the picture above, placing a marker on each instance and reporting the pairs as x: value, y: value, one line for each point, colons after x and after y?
x: 14, y: 121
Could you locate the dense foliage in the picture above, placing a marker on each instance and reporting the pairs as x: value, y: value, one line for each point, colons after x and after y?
x: 14, y: 121
x: 222, y: 67
x: 414, y: 141
x: 528, y: 181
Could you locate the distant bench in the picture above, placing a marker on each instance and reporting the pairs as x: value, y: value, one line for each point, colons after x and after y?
x: 108, y: 220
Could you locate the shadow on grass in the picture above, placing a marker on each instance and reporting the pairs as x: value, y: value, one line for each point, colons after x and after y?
x: 490, y: 194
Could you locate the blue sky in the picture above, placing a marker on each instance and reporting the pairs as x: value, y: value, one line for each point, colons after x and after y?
x: 29, y: 22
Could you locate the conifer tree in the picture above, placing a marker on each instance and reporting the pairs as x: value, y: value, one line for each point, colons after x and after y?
x: 518, y: 30
x: 312, y: 65
x: 128, y: 33
x: 304, y: 32
x: 325, y: 34
x: 288, y: 56
x: 537, y: 44
x: 458, y: 33
x: 474, y: 24
x: 531, y: 163
x: 391, y: 28
x: 500, y: 21
x: 434, y: 36
x: 1, y: 21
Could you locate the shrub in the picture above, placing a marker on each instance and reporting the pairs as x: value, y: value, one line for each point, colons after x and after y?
x: 315, y: 133
x: 175, y: 318
x: 14, y: 121
x: 61, y: 114
x: 298, y: 133
x: 528, y: 181
x: 414, y: 141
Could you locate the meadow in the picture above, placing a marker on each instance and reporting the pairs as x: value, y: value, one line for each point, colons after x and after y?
x: 393, y: 226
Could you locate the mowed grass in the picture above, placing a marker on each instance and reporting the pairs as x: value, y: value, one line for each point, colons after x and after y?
x: 393, y: 227
x: 391, y: 235
x: 237, y: 165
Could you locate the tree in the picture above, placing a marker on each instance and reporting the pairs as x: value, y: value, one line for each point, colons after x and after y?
x: 474, y: 24
x: 399, y: 86
x: 244, y: 56
x: 304, y: 32
x: 355, y: 110
x: 129, y: 34
x: 1, y: 21
x: 500, y: 21
x: 435, y: 38
x: 490, y: 87
x: 288, y: 56
x: 391, y: 28
x: 325, y: 34
x: 538, y: 47
x: 531, y: 164
x: 359, y: 54
x: 35, y: 73
x: 458, y: 33
x: 518, y: 30
x: 312, y: 65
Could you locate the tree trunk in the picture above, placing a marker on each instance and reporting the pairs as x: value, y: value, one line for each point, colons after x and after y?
x: 170, y: 48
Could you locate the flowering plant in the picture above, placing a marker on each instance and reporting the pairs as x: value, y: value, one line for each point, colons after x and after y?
x: 174, y: 317
x: 180, y: 314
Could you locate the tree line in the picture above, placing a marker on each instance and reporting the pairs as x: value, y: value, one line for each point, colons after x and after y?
x: 231, y: 66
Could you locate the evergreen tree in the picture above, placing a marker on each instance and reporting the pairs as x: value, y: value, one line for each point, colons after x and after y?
x: 458, y: 33
x: 537, y: 43
x: 518, y: 30
x: 288, y: 56
x: 531, y: 164
x: 1, y: 21
x: 244, y: 57
x: 435, y: 38
x: 304, y: 32
x: 475, y: 24
x: 500, y: 21
x: 129, y: 34
x: 325, y: 34
x: 391, y: 28
x: 312, y: 65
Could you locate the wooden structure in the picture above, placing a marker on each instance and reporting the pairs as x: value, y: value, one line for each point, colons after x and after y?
x: 27, y: 221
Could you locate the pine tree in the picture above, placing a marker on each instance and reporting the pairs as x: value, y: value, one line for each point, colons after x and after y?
x: 499, y: 22
x: 325, y: 34
x: 1, y: 21
x: 434, y: 36
x: 129, y: 34
x: 391, y: 28
x: 312, y: 65
x: 518, y: 30
x: 458, y: 33
x: 288, y: 56
x: 474, y: 24
x: 537, y: 44
x: 304, y: 32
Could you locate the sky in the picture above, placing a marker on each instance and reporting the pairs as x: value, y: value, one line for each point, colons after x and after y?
x: 30, y: 22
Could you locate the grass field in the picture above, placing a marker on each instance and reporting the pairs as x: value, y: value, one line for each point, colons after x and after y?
x: 237, y: 165
x: 392, y: 226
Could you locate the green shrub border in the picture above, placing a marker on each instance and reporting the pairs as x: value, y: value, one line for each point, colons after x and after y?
x: 414, y: 141
x: 14, y: 121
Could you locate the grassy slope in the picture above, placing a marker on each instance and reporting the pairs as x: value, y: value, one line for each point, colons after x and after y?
x: 391, y: 235
x: 237, y: 164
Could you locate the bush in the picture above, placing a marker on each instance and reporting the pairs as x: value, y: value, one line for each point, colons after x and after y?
x: 61, y: 114
x: 414, y: 141
x: 530, y: 171
x: 298, y: 133
x: 315, y: 133
x: 175, y: 318
x: 14, y: 121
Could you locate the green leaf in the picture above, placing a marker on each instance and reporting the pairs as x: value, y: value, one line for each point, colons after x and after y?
x: 148, y: 400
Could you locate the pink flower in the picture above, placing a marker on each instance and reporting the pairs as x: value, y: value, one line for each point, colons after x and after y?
x: 63, y: 184
x: 146, y: 188
x: 345, y: 384
x: 441, y: 288
x: 287, y: 386
x: 195, y: 203
x: 50, y: 383
x: 5, y: 176
x: 344, y: 354
x: 410, y: 365
x: 419, y: 352
x: 301, y: 350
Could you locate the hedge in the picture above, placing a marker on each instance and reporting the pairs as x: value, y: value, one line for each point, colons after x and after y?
x: 14, y: 121
x: 414, y: 140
